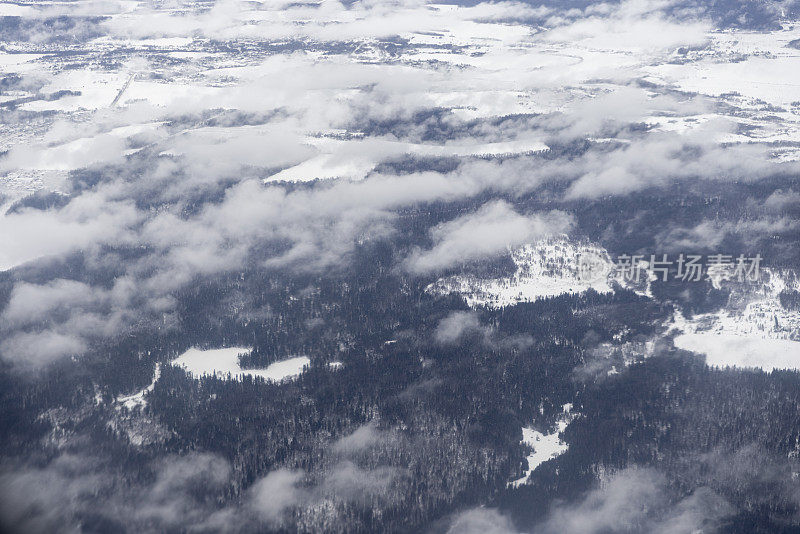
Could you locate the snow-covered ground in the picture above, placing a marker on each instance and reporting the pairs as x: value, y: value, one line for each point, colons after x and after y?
x: 548, y: 268
x: 545, y: 446
x: 753, y: 330
x: 137, y: 399
x: 478, y: 62
x: 354, y: 159
x: 225, y: 362
x: 751, y: 72
x: 723, y: 350
x: 222, y: 363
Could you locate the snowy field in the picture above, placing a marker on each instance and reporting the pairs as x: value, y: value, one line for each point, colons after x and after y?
x: 754, y: 330
x: 732, y: 350
x: 548, y: 268
x: 544, y: 446
x: 224, y: 363
x: 469, y: 60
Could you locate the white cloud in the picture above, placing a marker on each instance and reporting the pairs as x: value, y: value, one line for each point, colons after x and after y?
x: 29, y: 302
x: 454, y: 326
x: 481, y: 521
x: 36, y: 349
x: 631, y: 500
x: 58, y: 496
x: 275, y: 493
x: 489, y: 231
x: 634, y: 25
x: 178, y: 161
x: 362, y: 438
x: 85, y: 223
x: 637, y: 499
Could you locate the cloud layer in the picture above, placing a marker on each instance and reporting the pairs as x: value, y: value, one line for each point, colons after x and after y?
x: 172, y: 137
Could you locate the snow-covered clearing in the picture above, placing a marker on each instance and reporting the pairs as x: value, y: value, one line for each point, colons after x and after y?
x: 545, y: 446
x: 222, y: 363
x: 225, y: 362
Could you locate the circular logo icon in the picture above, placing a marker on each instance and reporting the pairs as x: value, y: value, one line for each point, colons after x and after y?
x: 593, y: 267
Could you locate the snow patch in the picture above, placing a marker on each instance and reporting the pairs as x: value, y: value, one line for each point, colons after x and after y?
x: 545, y: 446
x: 545, y: 269
x: 355, y: 159
x: 723, y: 350
x: 754, y: 330
x: 137, y: 399
x: 224, y: 363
